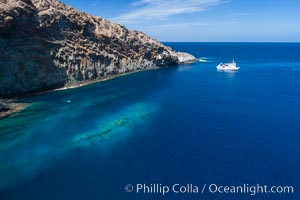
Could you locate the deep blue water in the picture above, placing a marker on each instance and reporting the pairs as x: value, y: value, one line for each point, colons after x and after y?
x: 184, y: 124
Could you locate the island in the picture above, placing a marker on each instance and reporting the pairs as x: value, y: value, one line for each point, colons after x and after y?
x: 47, y: 45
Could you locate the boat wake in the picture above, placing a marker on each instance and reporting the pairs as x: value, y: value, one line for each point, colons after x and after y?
x: 205, y: 59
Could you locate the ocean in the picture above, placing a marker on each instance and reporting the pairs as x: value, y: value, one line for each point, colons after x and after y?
x: 189, y: 125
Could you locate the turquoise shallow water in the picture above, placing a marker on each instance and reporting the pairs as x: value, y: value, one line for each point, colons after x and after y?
x: 184, y: 124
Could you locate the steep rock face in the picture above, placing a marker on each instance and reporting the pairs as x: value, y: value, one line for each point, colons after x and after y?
x: 46, y: 44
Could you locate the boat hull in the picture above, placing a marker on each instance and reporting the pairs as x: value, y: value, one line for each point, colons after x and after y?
x: 227, y: 69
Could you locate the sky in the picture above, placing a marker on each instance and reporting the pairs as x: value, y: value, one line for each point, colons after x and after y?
x: 202, y: 20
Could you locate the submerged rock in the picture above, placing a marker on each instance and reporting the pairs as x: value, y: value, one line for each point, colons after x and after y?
x: 46, y: 44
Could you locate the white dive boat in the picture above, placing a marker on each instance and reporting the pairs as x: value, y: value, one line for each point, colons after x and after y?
x: 228, y: 66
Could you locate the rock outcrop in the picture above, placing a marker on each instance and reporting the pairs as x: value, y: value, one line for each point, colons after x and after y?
x: 4, y: 107
x: 46, y: 44
x: 7, y: 108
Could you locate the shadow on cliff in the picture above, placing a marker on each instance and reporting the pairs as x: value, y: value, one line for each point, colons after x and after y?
x: 46, y: 44
x: 27, y: 53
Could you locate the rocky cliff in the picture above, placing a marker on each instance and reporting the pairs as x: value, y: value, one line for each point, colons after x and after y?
x: 46, y: 44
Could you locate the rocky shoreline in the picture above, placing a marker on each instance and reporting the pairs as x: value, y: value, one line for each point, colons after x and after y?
x: 8, y: 107
x: 47, y: 45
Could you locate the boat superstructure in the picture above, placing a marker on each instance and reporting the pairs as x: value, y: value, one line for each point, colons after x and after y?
x: 228, y: 66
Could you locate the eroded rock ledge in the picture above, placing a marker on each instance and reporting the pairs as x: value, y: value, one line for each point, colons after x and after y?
x: 7, y: 108
x: 46, y: 44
